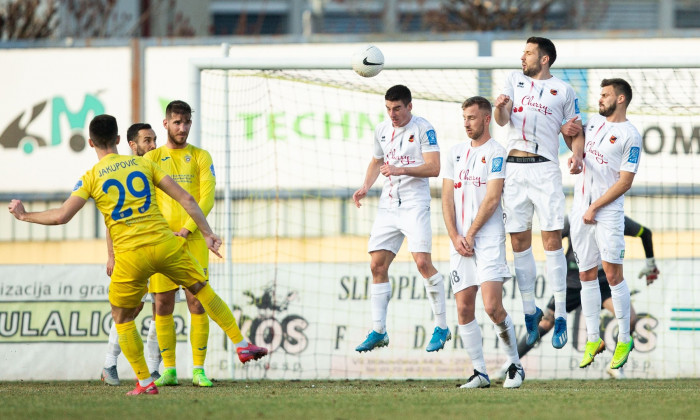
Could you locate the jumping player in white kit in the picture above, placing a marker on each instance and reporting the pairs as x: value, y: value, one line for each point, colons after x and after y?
x: 538, y: 106
x: 611, y: 160
x: 407, y: 154
x: 472, y: 183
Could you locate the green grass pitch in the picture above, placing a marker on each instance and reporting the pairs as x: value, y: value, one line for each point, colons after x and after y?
x: 396, y: 400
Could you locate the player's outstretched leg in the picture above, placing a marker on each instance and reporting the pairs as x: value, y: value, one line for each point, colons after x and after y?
x: 221, y: 314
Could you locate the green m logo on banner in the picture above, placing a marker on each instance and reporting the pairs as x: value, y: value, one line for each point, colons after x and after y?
x: 18, y: 136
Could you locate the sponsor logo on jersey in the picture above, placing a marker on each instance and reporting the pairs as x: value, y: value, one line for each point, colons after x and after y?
x: 518, y: 109
x: 634, y: 155
x: 553, y: 92
x: 599, y: 157
x: 432, y: 139
x: 188, y: 158
x: 541, y: 108
x: 383, y: 138
x: 576, y: 109
x: 521, y: 84
x: 211, y: 168
x: 483, y: 159
x: 410, y: 139
x: 458, y: 185
x: 475, y: 180
x: 497, y: 164
x: 458, y: 158
x: 78, y: 185
x: 165, y: 158
x: 613, y: 139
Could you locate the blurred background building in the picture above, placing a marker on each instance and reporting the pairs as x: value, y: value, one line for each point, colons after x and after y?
x: 59, y: 19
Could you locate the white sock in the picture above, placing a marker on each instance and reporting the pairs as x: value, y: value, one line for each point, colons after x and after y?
x: 145, y: 382
x: 590, y: 306
x: 621, y: 303
x: 435, y: 286
x: 526, y: 272
x: 506, y: 331
x: 380, y: 295
x: 153, y: 357
x: 556, y: 273
x: 241, y: 344
x: 471, y: 338
x: 113, y: 349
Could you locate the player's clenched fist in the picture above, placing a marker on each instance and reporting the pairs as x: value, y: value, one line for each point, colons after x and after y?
x: 502, y: 101
x: 17, y: 209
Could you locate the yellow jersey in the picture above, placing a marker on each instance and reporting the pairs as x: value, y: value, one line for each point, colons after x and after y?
x: 123, y: 188
x: 193, y: 169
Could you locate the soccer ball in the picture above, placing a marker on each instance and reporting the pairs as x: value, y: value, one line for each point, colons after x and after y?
x: 368, y: 61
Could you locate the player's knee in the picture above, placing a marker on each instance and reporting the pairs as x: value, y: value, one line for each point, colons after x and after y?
x: 465, y: 313
x: 495, y: 311
x: 379, y: 268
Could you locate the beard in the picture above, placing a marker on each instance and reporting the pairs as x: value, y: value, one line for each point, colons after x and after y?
x: 476, y: 133
x: 606, y: 112
x: 532, y: 71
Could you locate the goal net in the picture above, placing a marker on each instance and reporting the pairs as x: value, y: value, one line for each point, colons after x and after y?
x: 291, y: 143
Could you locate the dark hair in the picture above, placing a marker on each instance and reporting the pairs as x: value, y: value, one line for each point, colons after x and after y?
x: 620, y: 86
x: 133, y: 131
x: 545, y: 47
x: 178, y: 107
x: 399, y: 93
x: 480, y: 101
x: 104, y: 131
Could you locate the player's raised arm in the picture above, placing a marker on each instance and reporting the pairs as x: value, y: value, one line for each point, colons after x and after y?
x: 56, y: 216
x: 190, y: 205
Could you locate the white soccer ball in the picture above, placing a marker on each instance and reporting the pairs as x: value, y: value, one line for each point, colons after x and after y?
x: 368, y: 61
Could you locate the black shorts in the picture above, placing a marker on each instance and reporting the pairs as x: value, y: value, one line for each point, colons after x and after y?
x: 573, y: 297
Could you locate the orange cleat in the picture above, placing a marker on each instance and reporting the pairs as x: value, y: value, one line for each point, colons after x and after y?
x: 150, y: 389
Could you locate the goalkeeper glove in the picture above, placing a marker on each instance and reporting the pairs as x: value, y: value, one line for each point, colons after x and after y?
x: 650, y: 271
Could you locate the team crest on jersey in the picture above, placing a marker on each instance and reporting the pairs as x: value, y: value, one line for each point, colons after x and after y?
x: 483, y: 159
x: 78, y: 185
x: 211, y: 168
x: 497, y: 164
x: 634, y: 155
x: 553, y: 92
x: 432, y: 139
x: 613, y: 139
x: 410, y: 139
x: 188, y: 158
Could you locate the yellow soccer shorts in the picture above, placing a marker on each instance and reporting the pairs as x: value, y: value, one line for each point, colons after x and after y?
x: 132, y: 269
x: 161, y: 283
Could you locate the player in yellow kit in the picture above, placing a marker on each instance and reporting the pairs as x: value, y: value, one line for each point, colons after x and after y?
x: 192, y: 168
x: 123, y: 187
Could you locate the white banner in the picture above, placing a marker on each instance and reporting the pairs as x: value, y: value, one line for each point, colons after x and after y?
x: 54, y: 321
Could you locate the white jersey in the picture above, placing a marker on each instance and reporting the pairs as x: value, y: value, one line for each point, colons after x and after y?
x: 404, y: 147
x: 609, y: 149
x: 540, y: 107
x: 470, y: 168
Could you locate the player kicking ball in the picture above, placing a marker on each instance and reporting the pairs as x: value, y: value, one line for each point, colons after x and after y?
x: 471, y: 206
x: 611, y: 160
x: 123, y: 188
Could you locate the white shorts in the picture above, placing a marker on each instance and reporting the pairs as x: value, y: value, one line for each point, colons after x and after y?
x: 529, y: 188
x: 604, y: 240
x: 487, y: 264
x: 392, y: 225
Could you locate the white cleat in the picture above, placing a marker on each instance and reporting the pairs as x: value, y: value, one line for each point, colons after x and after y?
x: 514, y: 377
x: 477, y: 380
x: 616, y: 373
